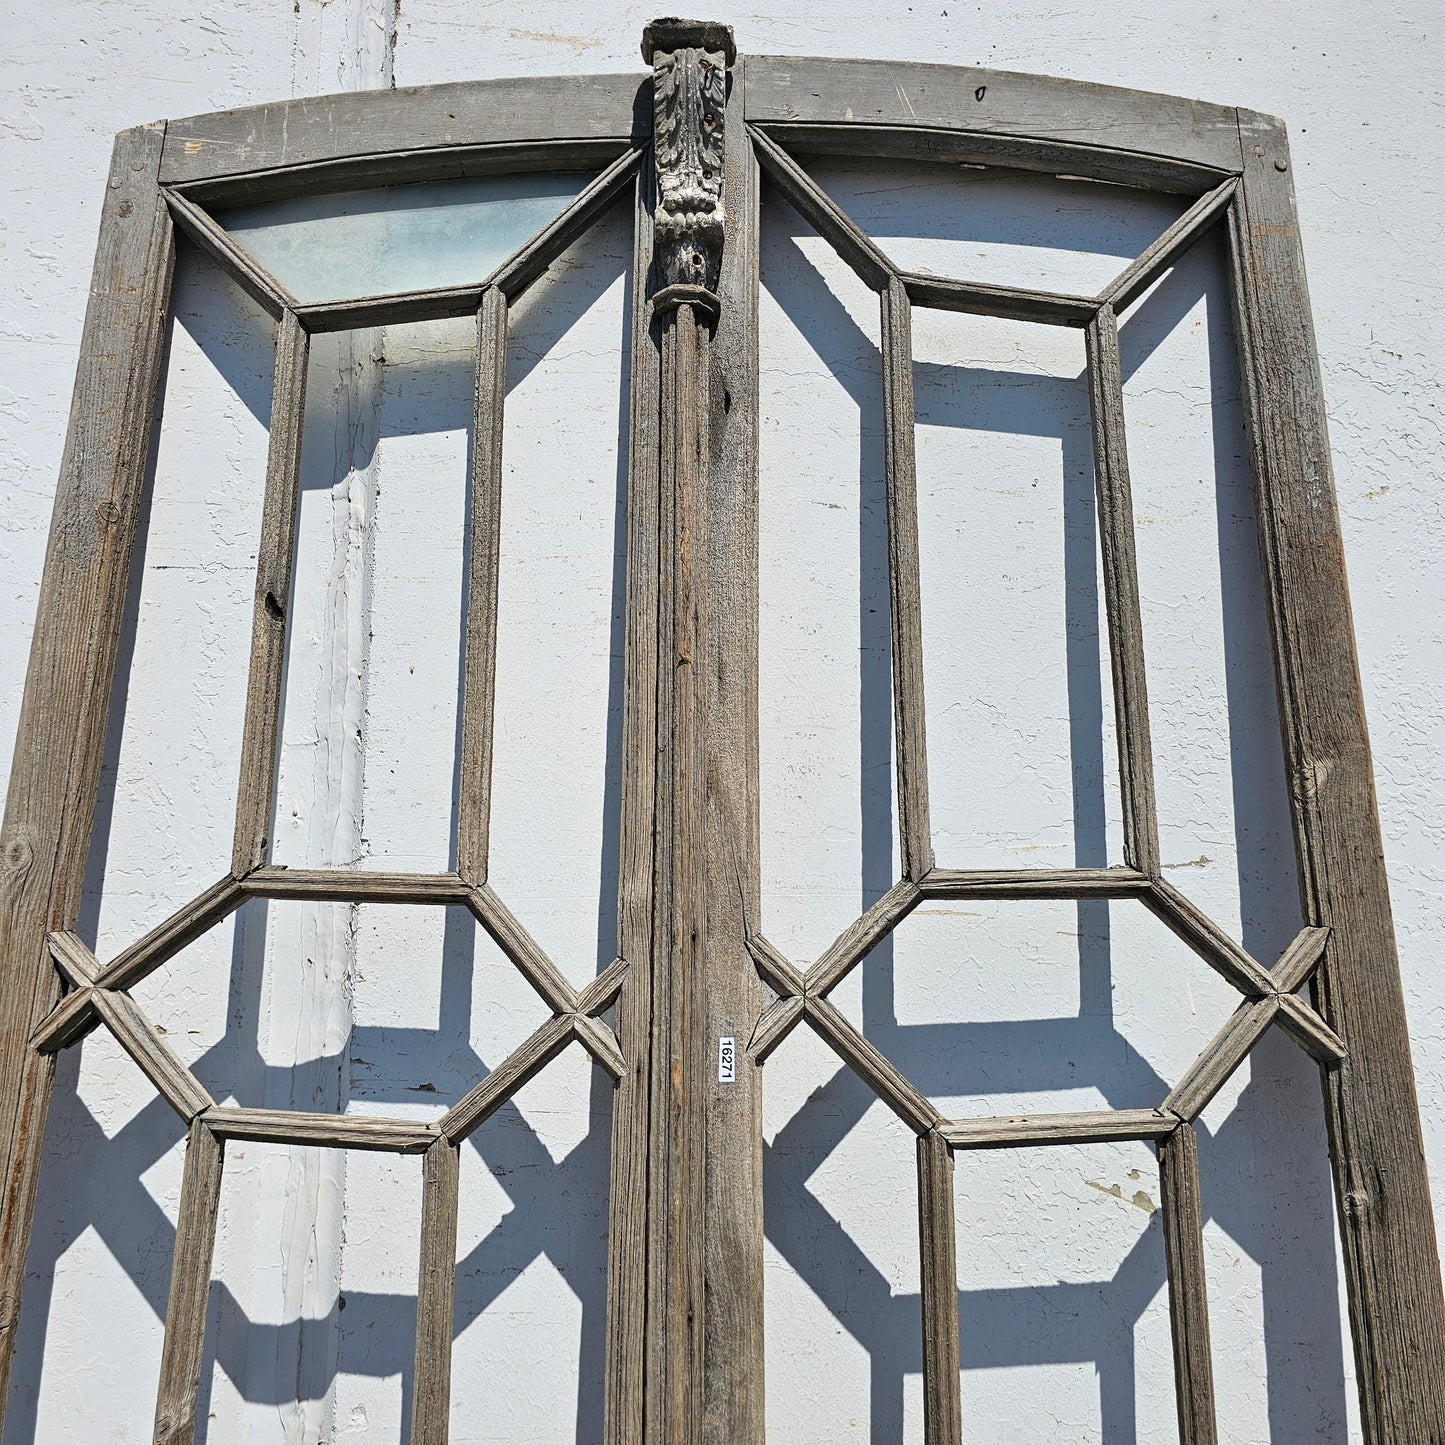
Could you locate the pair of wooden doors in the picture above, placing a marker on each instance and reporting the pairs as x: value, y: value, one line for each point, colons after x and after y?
x: 701, y: 996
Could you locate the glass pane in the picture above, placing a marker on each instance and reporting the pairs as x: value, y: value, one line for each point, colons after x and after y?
x: 398, y: 238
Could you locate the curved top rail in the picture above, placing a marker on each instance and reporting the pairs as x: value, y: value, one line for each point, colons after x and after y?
x: 867, y: 107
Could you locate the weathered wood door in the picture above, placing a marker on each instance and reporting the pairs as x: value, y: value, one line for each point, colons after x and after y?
x: 698, y: 996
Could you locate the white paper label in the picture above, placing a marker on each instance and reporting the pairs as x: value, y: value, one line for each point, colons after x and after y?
x: 727, y: 1061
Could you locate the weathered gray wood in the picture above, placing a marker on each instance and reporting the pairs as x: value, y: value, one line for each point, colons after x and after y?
x: 261, y: 737
x: 821, y: 212
x: 526, y: 953
x: 1068, y: 160
x: 871, y: 1066
x: 338, y: 128
x: 1392, y: 1268
x: 435, y: 1295
x: 67, y: 1023
x: 190, y: 1286
x: 1221, y: 1057
x: 326, y: 1131
x: 631, y: 1125
x: 1068, y: 124
x: 975, y: 298
x: 602, y: 992
x: 1121, y: 593
x: 850, y: 947
x: 479, y: 678
x: 781, y: 976
x: 1188, y: 1300
x: 690, y: 223
x: 1033, y: 883
x: 774, y: 1026
x: 1208, y: 940
x: 1310, y: 1031
x: 942, y: 1402
x: 601, y: 1043
x: 514, y: 277
x: 523, y: 1063
x: 733, y: 1365
x: 50, y: 801
x: 74, y: 959
x: 396, y: 309
x: 167, y: 939
x: 901, y: 492
x: 1039, y: 1129
x: 1299, y: 961
x: 172, y: 1080
x: 354, y: 885
x: 391, y: 167
x: 677, y: 1147
x: 1169, y: 248
x: 258, y: 283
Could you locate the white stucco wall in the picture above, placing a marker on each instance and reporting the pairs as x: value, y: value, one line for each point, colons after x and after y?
x: 1052, y: 1005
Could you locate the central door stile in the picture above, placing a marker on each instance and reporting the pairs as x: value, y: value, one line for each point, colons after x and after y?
x: 686, y: 1334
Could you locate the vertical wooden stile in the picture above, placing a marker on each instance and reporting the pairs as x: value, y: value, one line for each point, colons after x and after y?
x: 901, y: 483
x: 181, y: 1356
x: 1382, y: 1191
x: 627, y: 1214
x: 1121, y: 593
x: 436, y: 1294
x: 50, y: 803
x: 479, y: 668
x: 255, y: 795
x: 732, y: 996
x: 942, y: 1399
x: 1188, y: 1301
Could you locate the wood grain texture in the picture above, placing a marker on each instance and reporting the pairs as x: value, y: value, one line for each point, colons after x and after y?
x: 942, y: 1400
x: 1030, y: 119
x: 354, y: 885
x: 514, y: 277
x: 327, y: 1131
x: 1188, y: 1302
x: 1169, y: 247
x: 962, y: 883
x: 435, y: 1295
x: 73, y: 958
x: 479, y: 676
x: 1299, y: 961
x: 852, y: 945
x: 631, y: 1117
x: 190, y: 1287
x: 172, y: 1080
x: 526, y: 954
x: 253, y: 278
x: 523, y: 1063
x: 975, y: 298
x: 1391, y: 1258
x: 1221, y: 1057
x: 677, y: 1148
x: 168, y: 938
x: 1038, y: 1129
x: 1208, y: 940
x: 575, y: 109
x: 900, y: 482
x: 821, y: 212
x: 399, y: 166
x: 877, y: 1071
x: 1121, y: 593
x: 50, y: 803
x: 260, y: 739
x: 733, y: 1365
